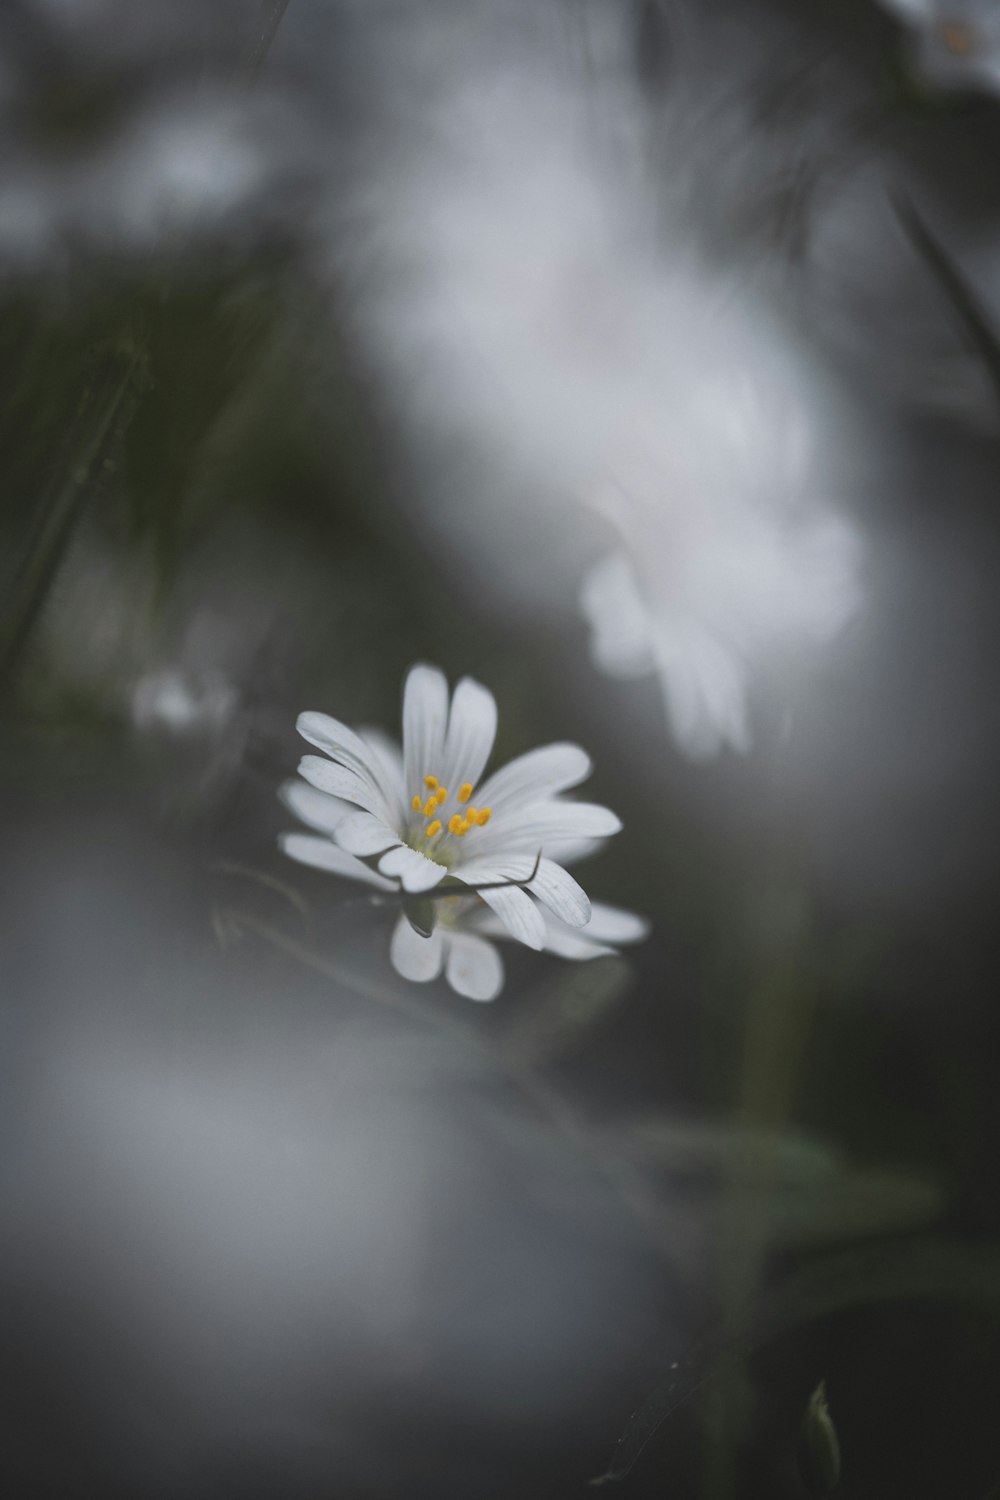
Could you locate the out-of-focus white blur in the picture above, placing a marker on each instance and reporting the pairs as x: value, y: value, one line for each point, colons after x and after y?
x: 271, y: 1196
x: 532, y: 309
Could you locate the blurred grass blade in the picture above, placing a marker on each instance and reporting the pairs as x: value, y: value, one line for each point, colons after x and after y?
x: 971, y: 312
x: 819, y: 1447
x: 272, y: 12
x: 106, y: 407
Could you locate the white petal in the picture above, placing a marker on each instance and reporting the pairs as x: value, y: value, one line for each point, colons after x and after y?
x: 324, y: 855
x: 533, y: 826
x: 335, y: 738
x: 572, y: 942
x: 551, y: 884
x: 386, y: 750
x: 361, y: 833
x: 488, y: 868
x: 415, y: 957
x: 571, y: 851
x: 474, y: 968
x: 425, y: 718
x: 416, y: 871
x: 518, y: 913
x: 611, y: 924
x: 621, y: 642
x: 314, y: 807
x: 539, y: 774
x: 344, y: 781
x: 472, y: 727
x: 349, y: 749
x: 705, y: 683
x: 561, y: 893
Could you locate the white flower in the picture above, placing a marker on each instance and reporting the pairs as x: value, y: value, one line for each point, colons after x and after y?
x: 428, y: 814
x: 722, y: 566
x: 957, y: 42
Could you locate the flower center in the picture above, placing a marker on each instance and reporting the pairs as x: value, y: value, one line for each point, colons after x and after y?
x: 430, y: 805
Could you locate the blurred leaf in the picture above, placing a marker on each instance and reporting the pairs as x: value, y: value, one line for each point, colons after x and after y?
x: 819, y: 1449
x: 692, y: 1147
x: 852, y: 1205
x: 807, y: 1193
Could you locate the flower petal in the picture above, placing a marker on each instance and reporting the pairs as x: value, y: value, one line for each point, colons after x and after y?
x: 474, y: 968
x: 705, y: 684
x: 612, y: 924
x: 317, y: 809
x: 385, y: 749
x: 362, y: 833
x: 551, y: 884
x: 416, y: 871
x: 539, y: 774
x: 517, y: 912
x: 415, y: 957
x: 561, y: 894
x: 610, y: 601
x: 472, y: 727
x: 343, y: 781
x: 336, y: 739
x: 348, y: 749
x: 489, y: 868
x: 324, y: 855
x: 572, y: 942
x: 534, y: 826
x: 425, y: 718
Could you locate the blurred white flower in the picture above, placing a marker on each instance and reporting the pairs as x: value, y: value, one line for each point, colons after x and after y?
x: 722, y: 566
x: 956, y: 42
x: 414, y: 807
x: 181, y: 704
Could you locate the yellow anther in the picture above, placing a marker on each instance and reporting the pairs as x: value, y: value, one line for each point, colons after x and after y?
x: 430, y: 807
x: 455, y: 823
x: 470, y: 813
x: 434, y: 829
x: 430, y: 782
x: 483, y: 816
x: 416, y: 804
x: 465, y: 791
x: 442, y: 795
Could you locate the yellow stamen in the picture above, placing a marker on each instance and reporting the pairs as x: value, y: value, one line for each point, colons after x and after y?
x: 465, y: 791
x: 483, y: 816
x: 442, y: 795
x: 416, y: 804
x: 434, y: 829
x: 430, y: 807
x: 471, y: 814
x: 430, y: 782
x: 455, y: 823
